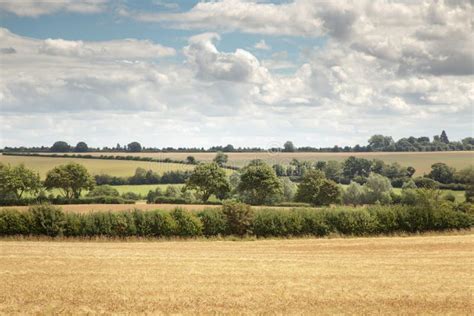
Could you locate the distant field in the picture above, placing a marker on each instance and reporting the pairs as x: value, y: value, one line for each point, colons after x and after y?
x: 421, y: 161
x: 426, y: 275
x: 143, y: 189
x: 120, y: 168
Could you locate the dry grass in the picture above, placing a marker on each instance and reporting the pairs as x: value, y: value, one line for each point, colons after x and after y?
x: 411, y: 275
x: 421, y: 161
x: 119, y: 168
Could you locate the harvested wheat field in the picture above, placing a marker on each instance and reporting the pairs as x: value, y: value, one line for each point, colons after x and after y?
x: 411, y: 275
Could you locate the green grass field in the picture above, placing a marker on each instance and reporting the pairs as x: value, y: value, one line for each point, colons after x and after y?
x: 143, y: 189
x: 120, y: 168
x: 421, y: 161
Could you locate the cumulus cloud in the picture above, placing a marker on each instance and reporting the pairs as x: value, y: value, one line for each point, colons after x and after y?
x: 262, y: 45
x: 35, y: 8
x: 397, y: 68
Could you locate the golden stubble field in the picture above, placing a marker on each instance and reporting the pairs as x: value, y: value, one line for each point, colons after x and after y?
x: 421, y: 161
x: 410, y: 275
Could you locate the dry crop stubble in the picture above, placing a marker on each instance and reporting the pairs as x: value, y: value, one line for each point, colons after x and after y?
x: 414, y: 275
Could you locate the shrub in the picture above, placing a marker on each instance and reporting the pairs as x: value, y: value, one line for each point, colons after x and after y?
x: 213, y: 221
x: 314, y: 222
x: 47, y: 220
x: 162, y: 224
x: 103, y: 190
x: 239, y: 218
x: 187, y: 224
x: 13, y: 222
x: 269, y: 222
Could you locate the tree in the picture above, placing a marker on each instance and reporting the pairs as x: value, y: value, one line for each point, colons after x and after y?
x: 134, y: 147
x: 354, y: 194
x: 81, y: 147
x: 442, y: 173
x: 60, y: 147
x: 289, y: 189
x: 316, y: 189
x: 289, y: 147
x: 191, y: 160
x: 259, y: 183
x: 228, y: 148
x: 220, y: 159
x: 208, y: 179
x: 333, y: 170
x: 356, y: 167
x: 71, y: 178
x: 444, y: 138
x: 381, y: 143
x: 377, y: 188
x: 18, y: 180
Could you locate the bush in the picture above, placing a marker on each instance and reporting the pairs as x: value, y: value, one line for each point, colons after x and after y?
x: 270, y: 222
x: 213, y: 221
x: 187, y: 224
x: 12, y: 222
x: 239, y: 217
x: 47, y: 220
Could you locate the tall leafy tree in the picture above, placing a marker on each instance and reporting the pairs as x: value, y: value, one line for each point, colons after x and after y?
x: 60, y: 146
x: 444, y: 138
x: 71, y: 179
x: 134, y: 147
x: 317, y: 190
x: 15, y: 181
x: 81, y: 147
x: 289, y: 147
x: 208, y: 179
x: 259, y: 184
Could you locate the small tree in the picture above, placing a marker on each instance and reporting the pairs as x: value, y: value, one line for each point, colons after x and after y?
x: 289, y: 147
x: 220, y: 159
x: 104, y: 190
x: 442, y: 173
x: 377, y: 188
x: 60, y: 146
x: 444, y: 138
x: 191, y: 160
x: 134, y: 147
x: 81, y: 147
x: 354, y: 194
x: 317, y: 190
x: 18, y: 180
x: 239, y: 217
x: 259, y: 183
x: 208, y: 179
x: 71, y: 178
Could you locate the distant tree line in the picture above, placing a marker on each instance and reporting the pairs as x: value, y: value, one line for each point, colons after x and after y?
x: 143, y: 176
x: 375, y: 143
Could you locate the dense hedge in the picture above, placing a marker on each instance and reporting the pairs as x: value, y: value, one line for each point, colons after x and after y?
x: 62, y: 200
x: 234, y: 219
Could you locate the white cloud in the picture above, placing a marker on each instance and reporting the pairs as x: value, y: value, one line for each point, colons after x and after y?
x: 35, y: 8
x: 262, y: 45
x: 397, y: 68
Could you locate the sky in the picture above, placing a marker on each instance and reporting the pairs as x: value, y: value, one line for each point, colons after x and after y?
x: 247, y: 73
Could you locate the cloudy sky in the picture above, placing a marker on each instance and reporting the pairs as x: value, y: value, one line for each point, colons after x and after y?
x: 249, y: 73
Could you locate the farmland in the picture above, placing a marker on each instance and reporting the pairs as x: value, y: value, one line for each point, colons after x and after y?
x: 119, y: 168
x: 421, y: 161
x: 410, y: 275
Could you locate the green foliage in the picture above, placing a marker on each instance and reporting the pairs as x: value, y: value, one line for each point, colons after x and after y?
x: 134, y: 147
x: 208, y: 179
x: 81, y: 147
x: 259, y: 184
x: 214, y: 221
x: 60, y: 146
x: 442, y: 173
x: 220, y: 159
x: 15, y: 181
x: 317, y: 190
x: 47, y: 220
x: 426, y: 183
x: 103, y: 190
x: 239, y: 217
x: 289, y: 189
x: 289, y: 147
x: 353, y: 194
x: 377, y: 189
x: 71, y: 178
x: 277, y: 223
x: 187, y: 224
x: 356, y: 167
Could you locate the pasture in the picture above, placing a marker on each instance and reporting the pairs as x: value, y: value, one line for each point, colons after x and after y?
x: 421, y: 161
x: 119, y: 168
x: 395, y: 275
